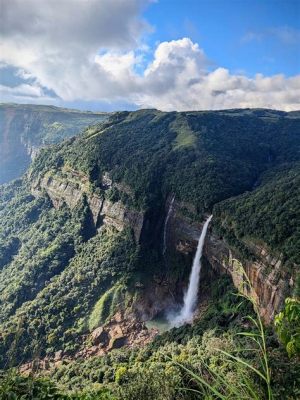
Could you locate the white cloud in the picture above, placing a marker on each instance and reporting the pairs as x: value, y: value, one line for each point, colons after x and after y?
x: 177, y: 79
x: 91, y: 50
x: 56, y: 41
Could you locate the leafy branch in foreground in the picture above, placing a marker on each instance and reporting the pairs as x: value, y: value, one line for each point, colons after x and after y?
x: 287, y: 326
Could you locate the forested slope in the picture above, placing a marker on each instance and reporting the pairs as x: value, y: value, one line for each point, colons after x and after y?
x: 81, y: 235
x: 229, y: 153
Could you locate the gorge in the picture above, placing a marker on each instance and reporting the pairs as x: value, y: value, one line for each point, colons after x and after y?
x: 98, y: 237
x: 190, y: 297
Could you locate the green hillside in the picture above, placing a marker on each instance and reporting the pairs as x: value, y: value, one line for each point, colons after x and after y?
x: 270, y: 213
x: 230, y: 152
x: 80, y: 247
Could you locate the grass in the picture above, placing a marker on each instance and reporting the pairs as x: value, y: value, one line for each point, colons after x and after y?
x: 185, y: 136
x: 214, y: 384
x: 105, y: 306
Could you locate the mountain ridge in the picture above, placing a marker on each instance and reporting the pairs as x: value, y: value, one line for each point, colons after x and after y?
x: 81, y: 235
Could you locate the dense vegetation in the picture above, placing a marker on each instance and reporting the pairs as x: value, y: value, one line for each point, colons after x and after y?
x: 269, y: 214
x: 53, y: 266
x: 149, y: 151
x: 24, y: 128
x: 62, y: 275
x: 164, y: 369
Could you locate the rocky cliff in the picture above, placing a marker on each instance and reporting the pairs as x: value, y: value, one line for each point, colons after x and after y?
x: 74, y: 187
x: 270, y: 280
x: 70, y: 268
x: 269, y: 277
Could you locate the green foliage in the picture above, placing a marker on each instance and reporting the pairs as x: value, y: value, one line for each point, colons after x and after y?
x: 55, y: 317
x: 148, y: 384
x: 170, y: 368
x: 41, y: 240
x: 50, y: 258
x: 15, y: 387
x: 62, y: 275
x: 106, y: 306
x: 202, y: 158
x: 185, y: 136
x: 219, y: 155
x: 219, y: 354
x: 269, y: 214
x: 287, y: 325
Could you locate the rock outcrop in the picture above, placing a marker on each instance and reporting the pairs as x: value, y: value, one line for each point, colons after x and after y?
x: 270, y: 280
x: 74, y: 186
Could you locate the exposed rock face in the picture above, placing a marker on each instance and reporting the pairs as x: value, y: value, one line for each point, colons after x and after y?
x: 269, y: 278
x: 269, y: 281
x: 31, y: 149
x: 117, y: 342
x: 158, y: 296
x: 183, y: 233
x: 100, y: 335
x: 71, y: 190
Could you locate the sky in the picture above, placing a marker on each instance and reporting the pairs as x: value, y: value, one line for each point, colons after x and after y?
x: 108, y: 55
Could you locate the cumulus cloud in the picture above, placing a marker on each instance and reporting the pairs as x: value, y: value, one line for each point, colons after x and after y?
x: 197, y: 89
x: 178, y: 79
x: 92, y: 49
x: 56, y: 41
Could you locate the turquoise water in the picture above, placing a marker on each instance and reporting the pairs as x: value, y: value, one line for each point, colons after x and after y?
x: 161, y: 324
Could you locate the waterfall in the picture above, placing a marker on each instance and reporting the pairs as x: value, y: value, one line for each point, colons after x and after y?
x: 166, y: 224
x: 190, y: 298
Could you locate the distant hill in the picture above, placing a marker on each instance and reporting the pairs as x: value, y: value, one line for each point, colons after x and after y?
x: 25, y: 128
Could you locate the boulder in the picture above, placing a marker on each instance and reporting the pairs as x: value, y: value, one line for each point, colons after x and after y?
x: 116, y: 342
x: 99, y: 335
x: 58, y: 355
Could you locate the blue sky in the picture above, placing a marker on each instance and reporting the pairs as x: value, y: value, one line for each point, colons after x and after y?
x: 167, y: 54
x: 252, y: 36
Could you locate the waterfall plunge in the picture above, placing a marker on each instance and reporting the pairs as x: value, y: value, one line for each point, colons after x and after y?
x: 190, y: 298
x: 166, y: 224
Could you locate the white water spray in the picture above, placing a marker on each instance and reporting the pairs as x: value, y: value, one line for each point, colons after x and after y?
x: 166, y: 224
x: 190, y: 298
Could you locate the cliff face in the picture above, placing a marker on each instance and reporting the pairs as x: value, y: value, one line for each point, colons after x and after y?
x: 14, y: 156
x: 66, y: 273
x: 269, y: 278
x: 74, y: 187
